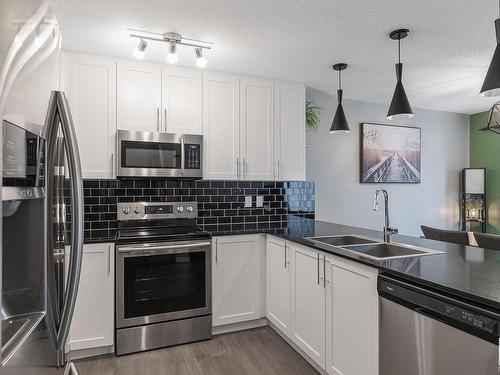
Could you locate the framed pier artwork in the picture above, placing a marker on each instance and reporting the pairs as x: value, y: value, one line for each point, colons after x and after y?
x: 390, y: 154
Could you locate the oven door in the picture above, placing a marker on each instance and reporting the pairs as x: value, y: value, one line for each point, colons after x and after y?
x: 150, y: 154
x: 162, y: 282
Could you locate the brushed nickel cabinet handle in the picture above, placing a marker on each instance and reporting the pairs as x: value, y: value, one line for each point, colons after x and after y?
x: 318, y: 267
x: 324, y: 270
x: 165, y: 121
x: 109, y: 259
x: 158, y: 118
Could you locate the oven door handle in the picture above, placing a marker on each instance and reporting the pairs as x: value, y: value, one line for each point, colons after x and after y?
x: 152, y: 249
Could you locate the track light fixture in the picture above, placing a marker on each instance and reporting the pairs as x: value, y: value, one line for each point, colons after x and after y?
x: 400, y: 106
x: 201, y: 61
x: 339, y: 123
x: 172, y: 57
x: 173, y: 40
x: 138, y: 52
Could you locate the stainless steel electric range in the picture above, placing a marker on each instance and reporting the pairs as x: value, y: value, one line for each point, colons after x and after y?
x: 163, y: 276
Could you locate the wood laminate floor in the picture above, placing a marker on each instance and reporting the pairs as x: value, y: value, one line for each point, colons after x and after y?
x: 259, y: 351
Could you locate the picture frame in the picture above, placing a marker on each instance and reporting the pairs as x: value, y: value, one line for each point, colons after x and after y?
x: 390, y: 154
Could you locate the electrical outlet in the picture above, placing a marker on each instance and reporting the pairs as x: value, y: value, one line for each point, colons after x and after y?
x: 259, y: 201
x: 248, y: 201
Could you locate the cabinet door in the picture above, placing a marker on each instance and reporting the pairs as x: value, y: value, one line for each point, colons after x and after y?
x: 352, y: 318
x: 236, y: 279
x: 90, y: 84
x: 289, y: 131
x: 278, y: 285
x: 93, y: 320
x: 181, y: 98
x: 256, y: 124
x: 221, y: 132
x: 308, y: 302
x: 138, y: 96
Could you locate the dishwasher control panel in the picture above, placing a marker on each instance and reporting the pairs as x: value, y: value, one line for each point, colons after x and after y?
x: 439, y: 307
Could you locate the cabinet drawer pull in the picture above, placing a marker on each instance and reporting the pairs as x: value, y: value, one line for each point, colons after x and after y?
x: 158, y: 118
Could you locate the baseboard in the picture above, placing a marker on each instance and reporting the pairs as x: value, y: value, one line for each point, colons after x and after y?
x: 298, y: 350
x: 92, y: 352
x: 226, y: 328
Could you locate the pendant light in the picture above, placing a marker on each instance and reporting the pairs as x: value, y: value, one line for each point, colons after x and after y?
x: 339, y: 124
x: 400, y: 106
x: 491, y: 84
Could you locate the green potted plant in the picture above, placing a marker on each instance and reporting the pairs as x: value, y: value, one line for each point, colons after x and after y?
x: 312, y: 116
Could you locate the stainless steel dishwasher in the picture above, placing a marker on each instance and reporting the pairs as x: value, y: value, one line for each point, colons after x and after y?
x: 427, y: 333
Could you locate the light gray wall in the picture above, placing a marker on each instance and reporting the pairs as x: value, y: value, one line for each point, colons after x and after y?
x: 333, y: 163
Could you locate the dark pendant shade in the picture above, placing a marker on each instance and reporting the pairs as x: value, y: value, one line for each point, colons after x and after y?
x: 491, y: 84
x: 339, y: 123
x: 400, y: 105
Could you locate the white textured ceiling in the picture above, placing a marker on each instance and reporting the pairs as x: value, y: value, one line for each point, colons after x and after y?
x: 445, y: 57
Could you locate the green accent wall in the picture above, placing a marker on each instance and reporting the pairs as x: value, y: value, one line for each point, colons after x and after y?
x: 485, y: 152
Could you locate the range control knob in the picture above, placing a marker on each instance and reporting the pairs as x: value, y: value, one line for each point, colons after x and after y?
x: 189, y: 208
x: 180, y: 209
x: 137, y: 210
x: 126, y: 210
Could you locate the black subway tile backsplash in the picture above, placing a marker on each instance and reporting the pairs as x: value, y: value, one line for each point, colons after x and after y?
x: 221, y: 204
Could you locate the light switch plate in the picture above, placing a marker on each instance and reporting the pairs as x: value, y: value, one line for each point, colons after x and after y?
x: 259, y: 201
x: 248, y: 201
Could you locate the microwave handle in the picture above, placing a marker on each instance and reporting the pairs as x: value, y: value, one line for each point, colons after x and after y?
x: 183, y: 157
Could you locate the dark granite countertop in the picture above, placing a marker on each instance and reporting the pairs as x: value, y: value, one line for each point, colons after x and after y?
x: 465, y: 271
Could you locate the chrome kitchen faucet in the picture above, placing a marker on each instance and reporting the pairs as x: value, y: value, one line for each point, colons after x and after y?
x: 388, y: 231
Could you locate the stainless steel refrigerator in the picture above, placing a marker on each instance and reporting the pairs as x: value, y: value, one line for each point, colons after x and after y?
x: 42, y: 194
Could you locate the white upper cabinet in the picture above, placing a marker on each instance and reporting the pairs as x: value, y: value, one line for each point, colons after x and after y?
x: 221, y: 131
x: 181, y: 98
x: 236, y: 279
x: 90, y: 85
x: 352, y: 318
x: 279, y: 284
x: 256, y: 126
x: 308, y: 302
x: 289, y: 131
x: 138, y: 96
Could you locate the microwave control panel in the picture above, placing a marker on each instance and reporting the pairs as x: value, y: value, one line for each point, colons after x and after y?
x: 192, y: 158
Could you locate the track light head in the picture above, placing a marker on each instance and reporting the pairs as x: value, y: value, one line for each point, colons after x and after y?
x: 138, y: 52
x: 172, y: 53
x: 201, y: 61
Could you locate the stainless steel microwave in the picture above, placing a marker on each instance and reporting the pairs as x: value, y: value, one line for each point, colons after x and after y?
x: 151, y: 154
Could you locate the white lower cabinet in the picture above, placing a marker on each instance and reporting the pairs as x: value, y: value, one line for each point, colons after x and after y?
x: 326, y: 305
x: 308, y: 302
x: 236, y: 279
x: 352, y: 318
x: 279, y: 284
x: 93, y: 320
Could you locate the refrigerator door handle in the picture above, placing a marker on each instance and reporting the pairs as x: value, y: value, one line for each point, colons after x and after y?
x: 59, y: 112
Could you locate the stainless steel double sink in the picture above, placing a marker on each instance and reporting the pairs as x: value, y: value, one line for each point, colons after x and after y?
x: 369, y: 247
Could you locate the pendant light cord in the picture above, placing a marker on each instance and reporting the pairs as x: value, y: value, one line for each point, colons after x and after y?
x: 399, y: 49
x: 340, y: 79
